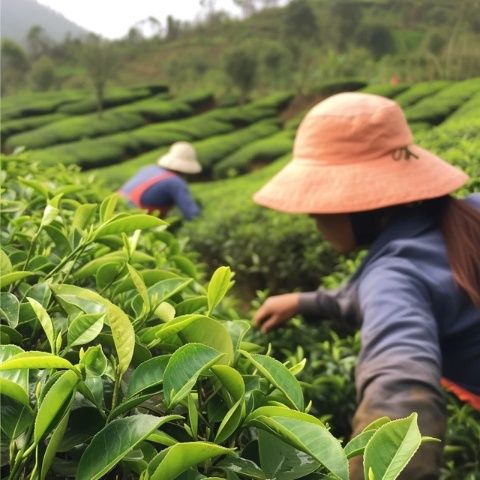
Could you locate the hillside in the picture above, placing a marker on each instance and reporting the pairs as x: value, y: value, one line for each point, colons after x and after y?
x: 17, y: 16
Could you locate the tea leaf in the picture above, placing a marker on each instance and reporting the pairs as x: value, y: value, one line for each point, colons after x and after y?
x: 208, y: 331
x: 279, y: 376
x: 391, y: 448
x: 107, y: 207
x: 120, y: 325
x: 5, y: 264
x: 113, y: 442
x: 53, y: 444
x: 9, y: 278
x: 147, y: 375
x: 184, y: 368
x: 13, y: 390
x: 315, y: 440
x: 9, y: 308
x: 84, y: 329
x: 219, y: 285
x: 58, y: 395
x: 45, y: 321
x: 35, y: 360
x: 140, y: 286
x: 180, y: 457
x: 82, y: 215
x: 128, y: 225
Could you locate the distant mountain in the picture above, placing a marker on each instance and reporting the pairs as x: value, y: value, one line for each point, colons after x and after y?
x: 17, y: 16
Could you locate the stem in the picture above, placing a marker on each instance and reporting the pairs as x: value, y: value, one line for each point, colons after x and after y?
x: 116, y: 388
x: 20, y: 458
x: 65, y: 261
x: 32, y: 244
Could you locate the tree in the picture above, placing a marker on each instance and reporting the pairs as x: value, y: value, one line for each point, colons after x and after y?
x: 247, y: 7
x: 38, y: 42
x: 100, y: 62
x: 347, y: 15
x: 241, y: 68
x: 173, y: 28
x: 300, y: 27
x: 14, y: 65
x: 377, y: 38
x: 42, y: 74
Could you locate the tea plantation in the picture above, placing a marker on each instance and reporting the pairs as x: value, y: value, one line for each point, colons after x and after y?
x: 125, y: 352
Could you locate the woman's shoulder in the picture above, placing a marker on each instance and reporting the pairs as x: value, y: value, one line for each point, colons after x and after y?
x: 474, y: 200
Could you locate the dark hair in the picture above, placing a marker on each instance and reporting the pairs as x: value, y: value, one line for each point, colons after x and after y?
x: 460, y: 226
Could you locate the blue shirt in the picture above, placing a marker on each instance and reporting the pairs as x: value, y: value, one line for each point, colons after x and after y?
x: 417, y: 323
x: 168, y: 192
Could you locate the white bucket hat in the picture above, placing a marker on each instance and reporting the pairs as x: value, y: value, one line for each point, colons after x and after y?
x: 181, y: 158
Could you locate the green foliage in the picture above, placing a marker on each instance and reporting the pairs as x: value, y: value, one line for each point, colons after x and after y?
x: 255, y: 154
x: 112, y: 98
x: 42, y: 74
x: 12, y: 127
x: 420, y: 91
x: 213, y: 149
x: 337, y: 86
x: 110, y: 378
x: 377, y: 38
x: 112, y: 121
x: 386, y: 90
x: 436, y: 108
x: 241, y: 68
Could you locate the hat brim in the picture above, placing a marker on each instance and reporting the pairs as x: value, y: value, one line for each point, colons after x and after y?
x: 307, y: 186
x: 179, y: 164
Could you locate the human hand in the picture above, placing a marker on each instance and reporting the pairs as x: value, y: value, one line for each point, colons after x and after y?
x: 276, y: 310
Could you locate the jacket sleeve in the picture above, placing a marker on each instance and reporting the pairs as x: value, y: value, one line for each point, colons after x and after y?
x: 339, y: 304
x: 399, y: 368
x: 185, y: 202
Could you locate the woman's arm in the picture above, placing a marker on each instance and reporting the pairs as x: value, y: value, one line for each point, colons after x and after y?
x: 399, y: 368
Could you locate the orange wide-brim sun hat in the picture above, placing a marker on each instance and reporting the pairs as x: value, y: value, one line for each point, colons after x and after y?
x: 354, y: 152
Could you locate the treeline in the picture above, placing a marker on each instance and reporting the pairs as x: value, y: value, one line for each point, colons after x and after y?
x: 300, y: 45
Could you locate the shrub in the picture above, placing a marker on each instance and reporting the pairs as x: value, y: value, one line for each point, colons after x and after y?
x: 337, y: 86
x: 12, y: 127
x: 25, y: 105
x: 213, y: 149
x: 385, y: 90
x: 420, y: 91
x: 470, y: 110
x: 255, y: 154
x: 113, y: 98
x: 113, y: 344
x: 436, y: 108
x: 112, y: 121
x: 71, y: 129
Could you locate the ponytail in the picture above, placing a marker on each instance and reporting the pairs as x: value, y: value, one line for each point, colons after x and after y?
x: 460, y: 225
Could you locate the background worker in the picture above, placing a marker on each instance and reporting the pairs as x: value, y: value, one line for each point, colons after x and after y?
x: 160, y: 187
x: 357, y: 173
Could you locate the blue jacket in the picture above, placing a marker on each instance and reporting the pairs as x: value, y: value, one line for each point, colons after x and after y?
x: 417, y: 326
x: 169, y: 192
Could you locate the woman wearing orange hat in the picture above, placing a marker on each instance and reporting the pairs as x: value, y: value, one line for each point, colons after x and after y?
x: 357, y: 173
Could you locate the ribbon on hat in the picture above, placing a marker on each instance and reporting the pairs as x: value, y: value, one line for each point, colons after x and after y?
x: 403, y: 153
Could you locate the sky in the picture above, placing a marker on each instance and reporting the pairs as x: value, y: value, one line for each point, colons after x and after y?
x: 113, y: 18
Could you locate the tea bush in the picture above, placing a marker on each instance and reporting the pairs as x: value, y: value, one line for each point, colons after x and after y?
x: 117, y: 360
x: 37, y: 103
x: 419, y: 91
x: 12, y: 127
x: 213, y: 149
x: 112, y: 121
x: 385, y: 90
x: 113, y: 98
x: 436, y: 108
x: 470, y: 110
x: 255, y: 154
